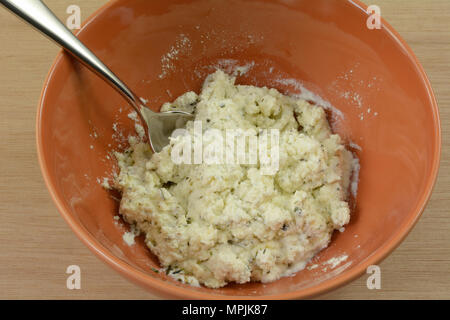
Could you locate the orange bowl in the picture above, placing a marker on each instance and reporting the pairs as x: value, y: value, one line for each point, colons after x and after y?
x: 387, y: 112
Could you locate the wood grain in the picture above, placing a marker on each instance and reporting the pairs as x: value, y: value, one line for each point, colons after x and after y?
x: 36, y: 245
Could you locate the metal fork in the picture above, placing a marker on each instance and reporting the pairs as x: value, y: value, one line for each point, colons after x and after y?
x: 158, y: 125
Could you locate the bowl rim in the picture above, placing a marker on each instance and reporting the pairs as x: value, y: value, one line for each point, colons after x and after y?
x: 164, y: 288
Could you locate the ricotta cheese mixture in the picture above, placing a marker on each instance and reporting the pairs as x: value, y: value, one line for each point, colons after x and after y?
x: 213, y: 224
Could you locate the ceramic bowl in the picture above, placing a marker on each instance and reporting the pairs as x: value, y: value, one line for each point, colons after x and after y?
x: 384, y: 109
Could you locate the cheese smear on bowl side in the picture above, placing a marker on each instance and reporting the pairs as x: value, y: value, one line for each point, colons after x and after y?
x: 213, y: 224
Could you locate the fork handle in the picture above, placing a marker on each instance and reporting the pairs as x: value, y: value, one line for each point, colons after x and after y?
x: 38, y: 15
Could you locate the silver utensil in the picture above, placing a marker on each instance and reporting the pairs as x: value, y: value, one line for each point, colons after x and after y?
x: 158, y: 125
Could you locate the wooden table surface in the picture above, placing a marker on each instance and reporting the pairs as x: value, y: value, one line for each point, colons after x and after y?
x: 36, y: 245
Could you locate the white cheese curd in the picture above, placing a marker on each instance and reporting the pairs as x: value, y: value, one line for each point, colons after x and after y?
x: 212, y: 224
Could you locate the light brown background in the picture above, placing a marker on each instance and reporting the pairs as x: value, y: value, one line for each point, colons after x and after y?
x: 36, y: 245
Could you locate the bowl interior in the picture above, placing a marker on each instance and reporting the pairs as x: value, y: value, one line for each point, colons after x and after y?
x: 162, y: 49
